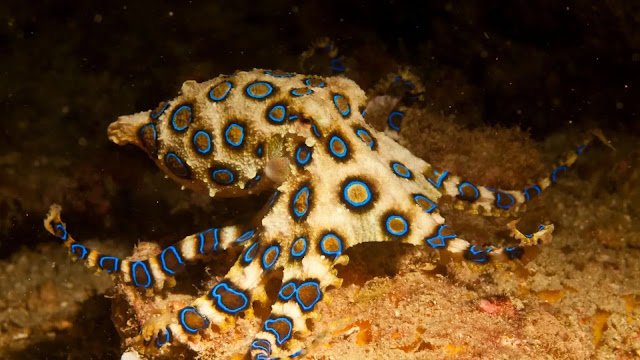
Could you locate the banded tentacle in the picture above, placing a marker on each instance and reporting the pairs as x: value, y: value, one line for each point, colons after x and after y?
x: 421, y: 224
x: 230, y: 298
x: 319, y: 49
x: 158, y: 271
x: 495, y: 202
x: 443, y: 238
x: 404, y: 85
x: 305, y: 280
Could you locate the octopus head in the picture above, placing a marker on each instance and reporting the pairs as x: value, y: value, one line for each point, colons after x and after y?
x: 207, y: 138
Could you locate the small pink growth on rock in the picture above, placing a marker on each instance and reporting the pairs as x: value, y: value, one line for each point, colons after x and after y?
x: 497, y: 307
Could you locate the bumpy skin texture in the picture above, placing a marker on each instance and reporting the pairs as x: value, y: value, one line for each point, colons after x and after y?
x: 336, y: 182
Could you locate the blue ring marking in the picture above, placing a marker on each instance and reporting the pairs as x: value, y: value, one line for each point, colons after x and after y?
x: 429, y: 210
x: 299, y: 301
x: 221, y: 97
x: 308, y: 80
x: 184, y: 324
x: 401, y: 233
x: 263, y: 357
x: 306, y: 203
x: 259, y: 150
x: 344, y: 147
x: 294, y: 92
x: 226, y: 135
x: 441, y: 178
x: 293, y: 117
x: 262, y: 344
x: 360, y: 133
x: 335, y: 102
x: 293, y: 292
x: 184, y: 171
x: 364, y: 111
x: 162, y: 260
x: 481, y: 259
x: 267, y: 327
x: 540, y: 228
x: 167, y: 337
x: 268, y: 72
x: 336, y: 65
x: 390, y: 123
x: 514, y: 252
x: 397, y: 167
x: 247, y: 253
x: 116, y: 262
x: 305, y: 160
x: 248, y: 91
x: 215, y: 172
x: 499, y: 198
x: 475, y: 188
x: 153, y: 126
x: 526, y: 191
x: 81, y: 247
x: 315, y: 130
x: 202, y: 132
x: 432, y: 241
x: 406, y: 83
x: 580, y: 149
x: 175, y: 113
x: 296, y: 353
x: 473, y: 251
x: 158, y: 344
x: 360, y: 203
x: 160, y: 112
x: 555, y: 172
x: 202, y: 241
x: 324, y: 238
x: 276, y: 195
x: 146, y: 271
x: 64, y: 235
x: 278, y: 119
x: 246, y: 236
x: 215, y: 295
x: 293, y: 246
x: 264, y: 256
x: 253, y: 182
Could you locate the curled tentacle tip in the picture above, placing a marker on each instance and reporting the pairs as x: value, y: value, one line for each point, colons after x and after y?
x: 170, y: 282
x: 53, y: 216
x: 342, y: 260
x: 600, y: 135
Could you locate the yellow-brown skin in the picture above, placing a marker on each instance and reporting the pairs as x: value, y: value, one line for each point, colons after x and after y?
x: 336, y: 181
